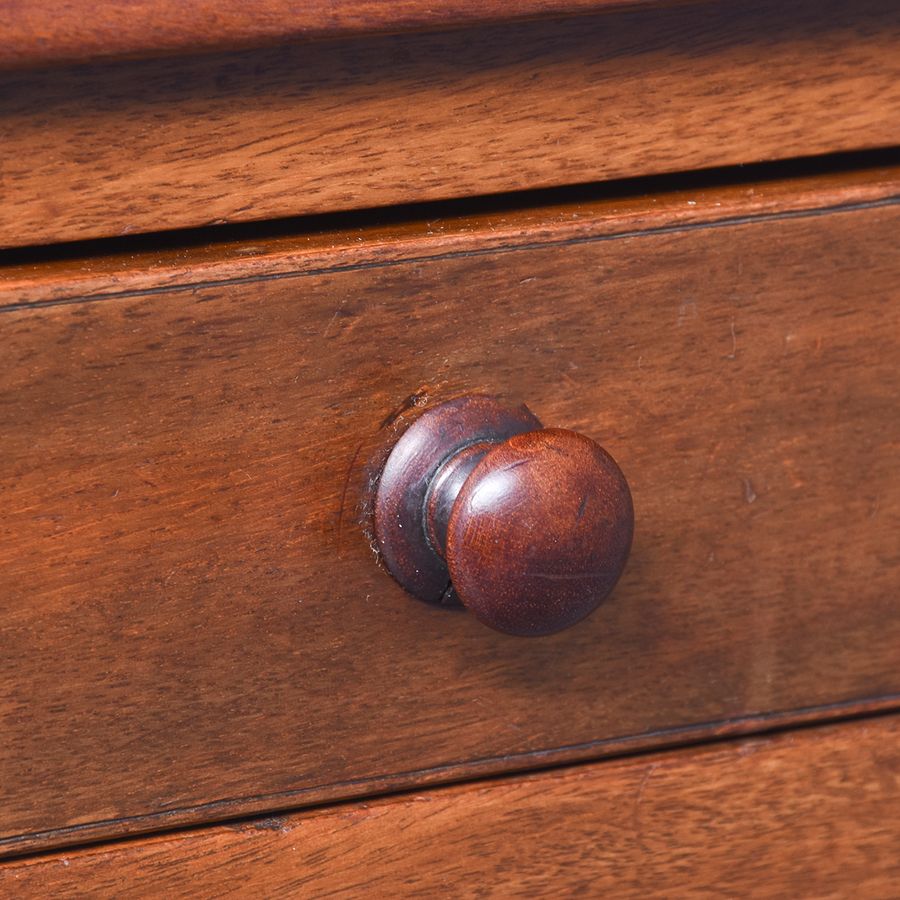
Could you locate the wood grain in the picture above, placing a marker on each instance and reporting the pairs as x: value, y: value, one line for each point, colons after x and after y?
x: 48, y: 32
x: 133, y: 147
x: 805, y: 814
x: 193, y: 624
x: 183, y: 468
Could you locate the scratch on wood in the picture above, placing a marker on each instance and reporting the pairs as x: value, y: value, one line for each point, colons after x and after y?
x: 349, y: 475
x: 515, y: 465
x: 331, y: 320
x: 733, y: 354
x: 581, y: 508
x: 419, y: 398
x: 750, y: 494
x: 566, y: 576
x: 639, y: 798
x: 273, y: 823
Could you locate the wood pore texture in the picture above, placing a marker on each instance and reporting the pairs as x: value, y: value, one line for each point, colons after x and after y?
x: 114, y: 149
x: 47, y: 32
x: 807, y: 814
x: 193, y: 622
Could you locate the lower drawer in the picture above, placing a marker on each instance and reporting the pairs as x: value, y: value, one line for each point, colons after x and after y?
x: 193, y: 625
x: 807, y: 814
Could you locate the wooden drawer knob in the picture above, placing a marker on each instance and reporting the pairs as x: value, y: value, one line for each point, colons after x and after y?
x: 530, y: 527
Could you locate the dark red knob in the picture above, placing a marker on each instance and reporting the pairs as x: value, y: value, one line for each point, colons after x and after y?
x: 531, y: 527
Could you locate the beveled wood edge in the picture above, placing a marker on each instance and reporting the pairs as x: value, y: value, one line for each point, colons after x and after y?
x: 227, y: 809
x: 320, y: 251
x: 691, y: 817
x: 57, y: 32
x: 828, y: 788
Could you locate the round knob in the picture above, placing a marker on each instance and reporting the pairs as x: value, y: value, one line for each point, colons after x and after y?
x: 531, y: 527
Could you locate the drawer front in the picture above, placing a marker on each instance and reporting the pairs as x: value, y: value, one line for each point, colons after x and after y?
x: 144, y: 146
x: 808, y: 814
x: 193, y: 623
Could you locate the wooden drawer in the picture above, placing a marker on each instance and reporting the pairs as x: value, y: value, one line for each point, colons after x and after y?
x: 808, y: 814
x: 193, y: 624
x: 115, y: 148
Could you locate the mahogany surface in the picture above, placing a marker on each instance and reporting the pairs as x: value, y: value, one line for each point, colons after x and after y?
x: 404, y: 522
x: 551, y: 541
x: 49, y: 32
x: 192, y: 623
x: 809, y: 814
x: 528, y: 527
x: 335, y: 243
x: 123, y: 148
